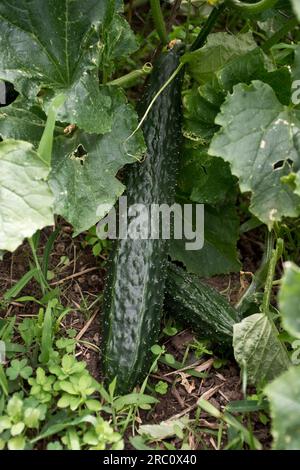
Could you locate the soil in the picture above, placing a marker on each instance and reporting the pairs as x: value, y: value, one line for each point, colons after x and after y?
x: 81, y: 280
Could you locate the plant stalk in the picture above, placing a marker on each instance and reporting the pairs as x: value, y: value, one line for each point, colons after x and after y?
x: 159, y: 21
x: 46, y: 143
x: 276, y: 253
x: 131, y: 78
x: 265, y: 307
x: 208, y: 26
x: 259, y: 277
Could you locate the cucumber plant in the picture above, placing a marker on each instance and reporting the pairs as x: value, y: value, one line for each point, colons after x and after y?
x: 219, y: 124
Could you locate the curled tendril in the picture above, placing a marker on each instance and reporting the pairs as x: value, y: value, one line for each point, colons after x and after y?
x: 252, y: 8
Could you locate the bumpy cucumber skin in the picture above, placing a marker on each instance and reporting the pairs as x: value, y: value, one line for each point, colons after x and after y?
x: 199, y: 306
x: 134, y: 292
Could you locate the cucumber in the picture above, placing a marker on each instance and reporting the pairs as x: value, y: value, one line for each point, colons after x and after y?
x: 134, y: 292
x: 199, y: 306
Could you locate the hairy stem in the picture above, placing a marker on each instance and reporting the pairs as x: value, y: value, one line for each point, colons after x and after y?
x: 132, y: 77
x: 159, y: 21
x: 270, y: 276
x: 46, y: 143
x: 259, y: 277
x: 208, y: 26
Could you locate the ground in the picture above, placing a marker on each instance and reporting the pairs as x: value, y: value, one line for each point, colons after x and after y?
x: 80, y: 276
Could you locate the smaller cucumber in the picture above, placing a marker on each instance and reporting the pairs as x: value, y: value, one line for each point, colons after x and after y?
x: 199, y: 306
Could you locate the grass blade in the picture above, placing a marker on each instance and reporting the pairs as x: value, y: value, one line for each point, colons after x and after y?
x: 3, y: 381
x: 47, y: 251
x: 16, y: 289
x: 46, y: 341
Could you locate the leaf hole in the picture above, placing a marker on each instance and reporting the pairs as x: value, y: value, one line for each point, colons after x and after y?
x: 8, y: 94
x: 281, y: 163
x: 80, y: 153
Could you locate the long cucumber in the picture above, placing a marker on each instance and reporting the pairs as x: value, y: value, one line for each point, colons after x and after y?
x: 134, y: 293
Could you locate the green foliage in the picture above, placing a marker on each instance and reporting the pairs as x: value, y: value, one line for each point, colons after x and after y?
x: 232, y: 423
x: 296, y: 7
x: 19, y: 368
x: 42, y: 386
x: 64, y: 56
x: 258, y: 349
x: 64, y: 384
x: 219, y: 49
x: 198, y: 175
x: 161, y: 387
x: 201, y: 348
x: 57, y: 398
x: 283, y: 394
x: 98, y: 246
x: 268, y: 150
x: 64, y: 143
x: 57, y: 62
x: 28, y: 330
x: 289, y: 299
x: 19, y: 416
x: 26, y: 204
x: 218, y: 254
x: 85, y: 187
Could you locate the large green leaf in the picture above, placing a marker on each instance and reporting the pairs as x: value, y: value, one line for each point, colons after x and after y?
x: 289, y: 299
x: 284, y: 396
x: 199, y: 116
x: 202, y: 104
x: 296, y: 6
x: 275, y: 18
x: 20, y: 121
x: 88, y: 105
x: 63, y: 53
x: 119, y: 40
x: 49, y: 42
x: 254, y: 66
x: 219, y: 49
x: 281, y: 82
x: 260, y: 139
x: 242, y: 69
x: 205, y: 179
x: 219, y: 253
x: 81, y: 185
x: 26, y: 202
x: 258, y: 349
x: 213, y: 92
x: 84, y: 168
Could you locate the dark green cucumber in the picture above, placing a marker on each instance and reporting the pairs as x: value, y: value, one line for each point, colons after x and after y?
x: 199, y: 306
x: 133, y: 297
